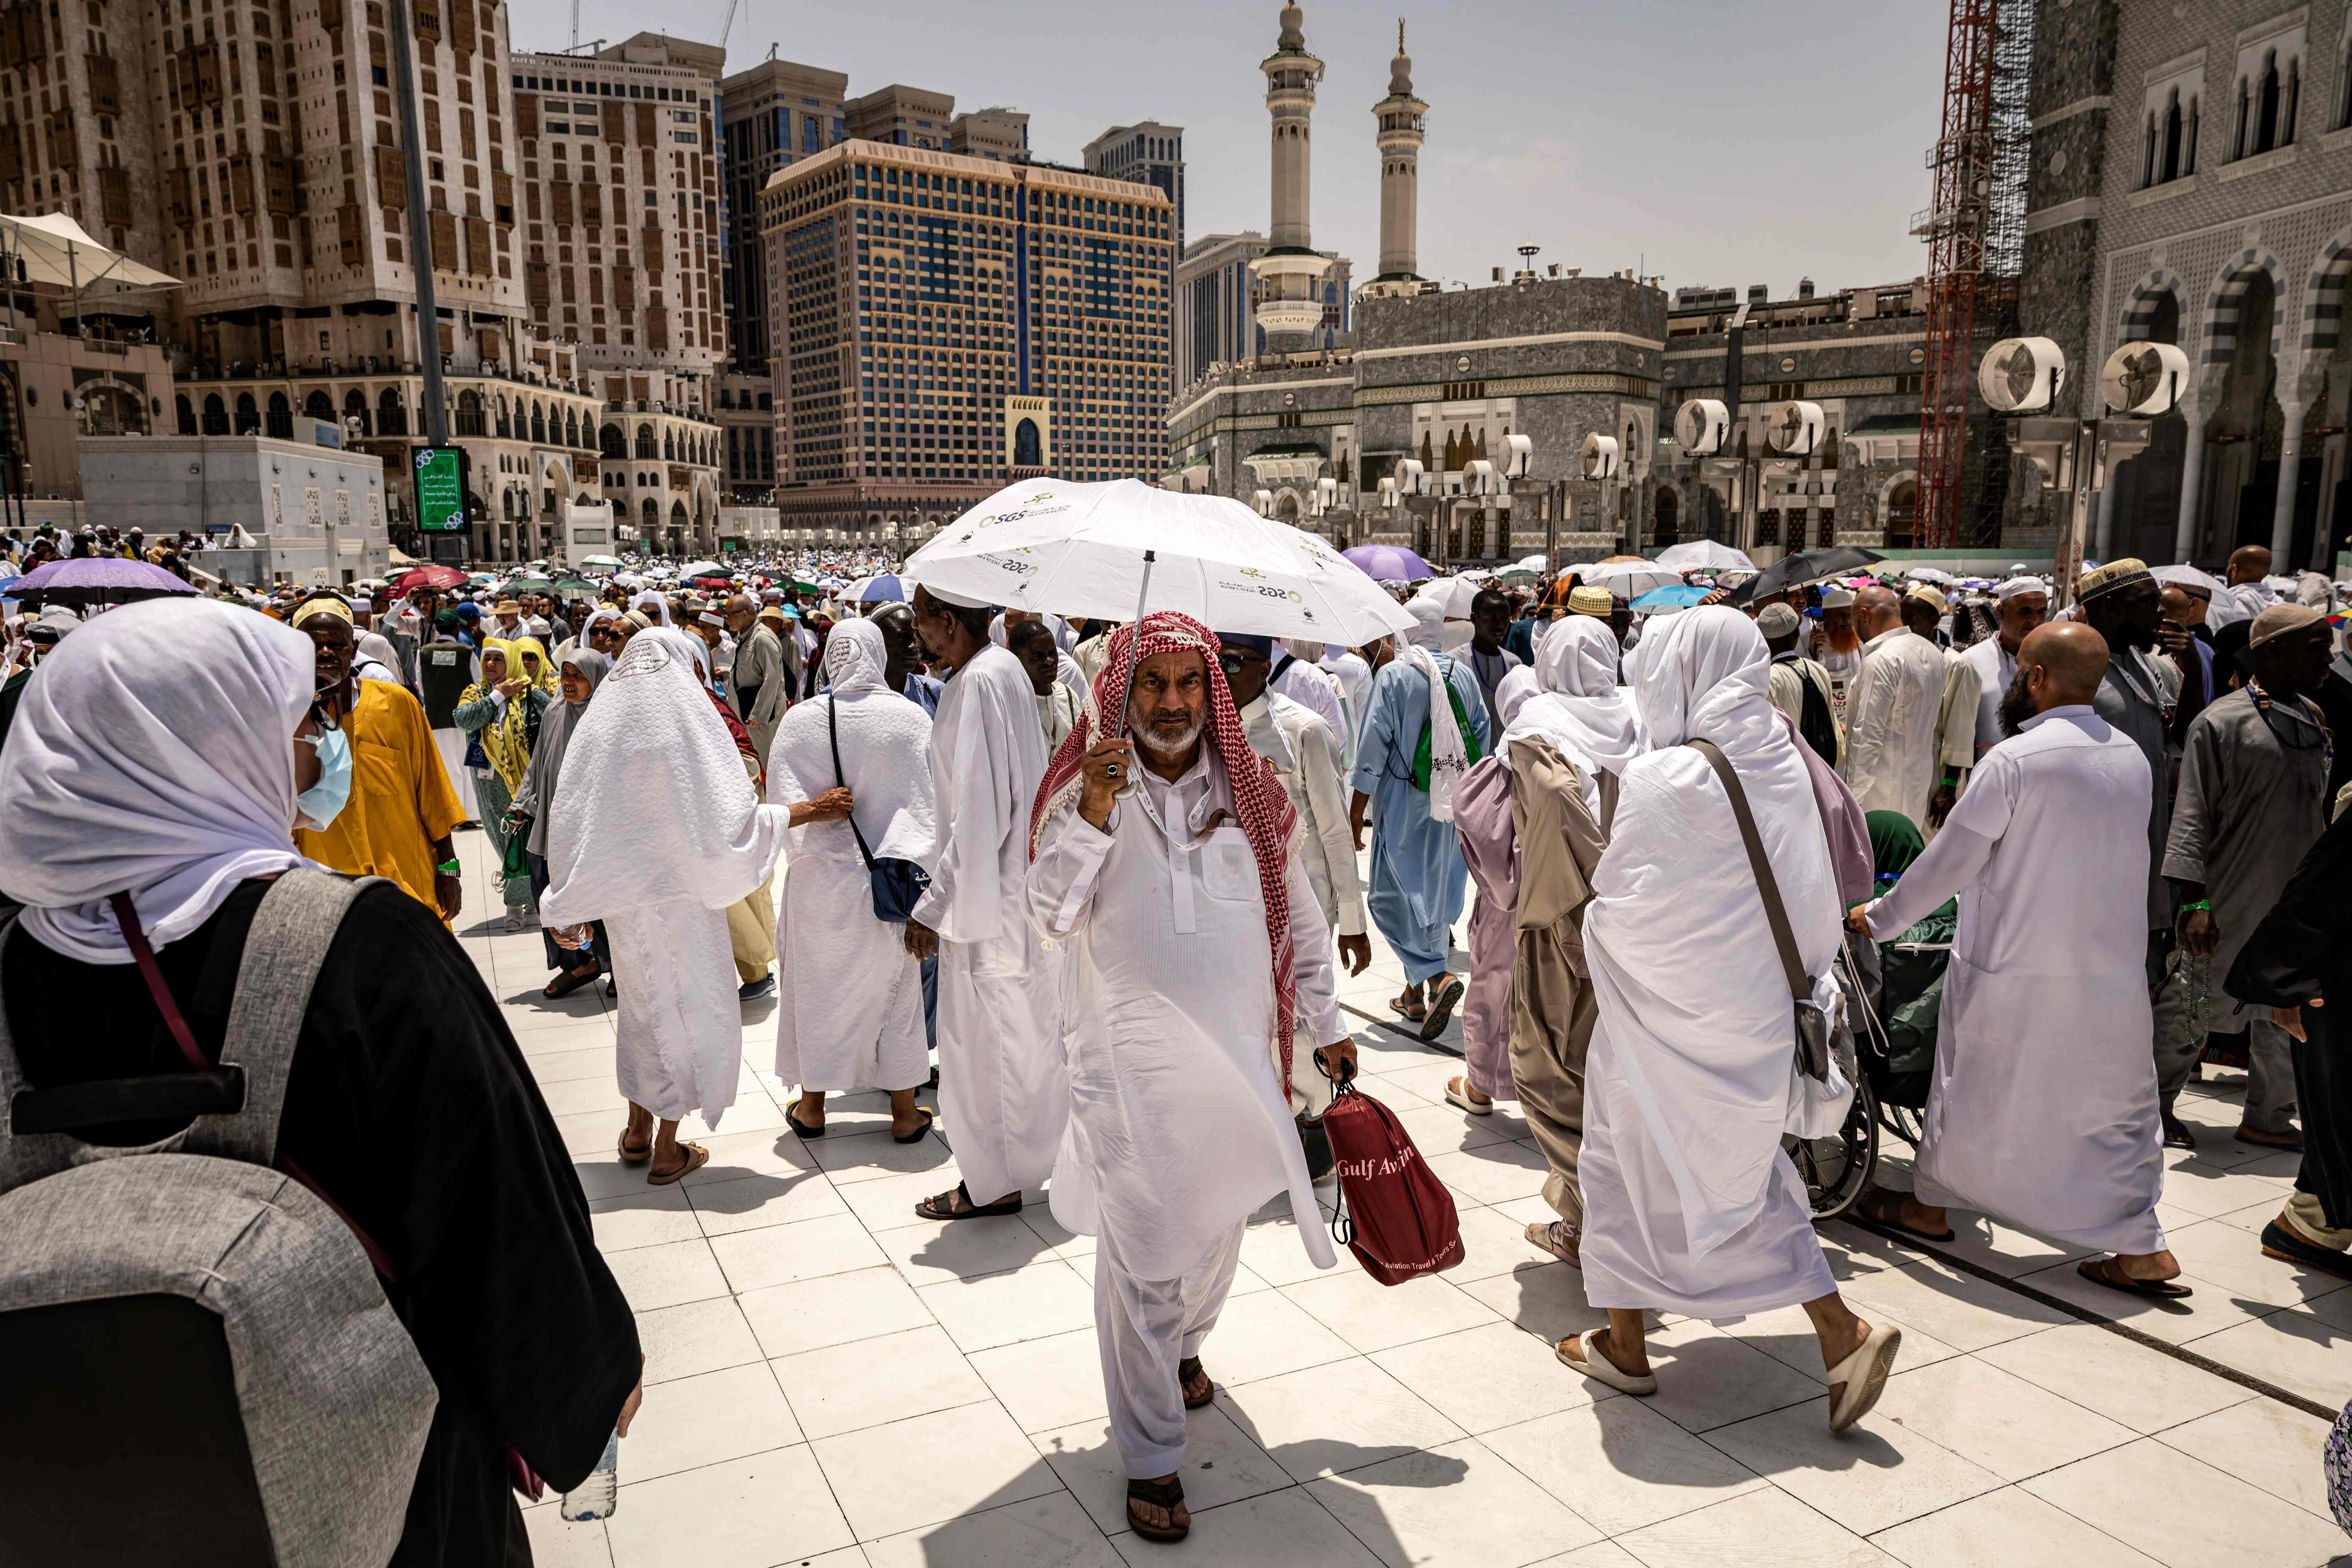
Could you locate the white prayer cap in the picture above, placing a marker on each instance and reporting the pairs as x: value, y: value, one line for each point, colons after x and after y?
x: 711, y: 618
x: 2015, y: 585
x: 960, y: 601
x: 1837, y: 598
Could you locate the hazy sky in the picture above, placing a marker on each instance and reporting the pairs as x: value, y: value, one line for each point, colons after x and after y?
x: 1716, y: 142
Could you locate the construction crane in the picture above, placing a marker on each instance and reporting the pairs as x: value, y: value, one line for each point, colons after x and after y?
x: 1974, y: 235
x: 726, y: 22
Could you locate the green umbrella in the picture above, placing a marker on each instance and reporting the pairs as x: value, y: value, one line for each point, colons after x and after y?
x: 576, y: 585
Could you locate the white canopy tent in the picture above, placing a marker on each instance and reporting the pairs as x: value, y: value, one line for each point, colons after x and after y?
x: 51, y: 248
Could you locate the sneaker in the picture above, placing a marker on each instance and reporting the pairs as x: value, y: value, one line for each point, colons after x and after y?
x: 751, y: 991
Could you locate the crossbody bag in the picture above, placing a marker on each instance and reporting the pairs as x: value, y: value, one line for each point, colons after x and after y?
x: 1813, y: 1025
x: 898, y: 884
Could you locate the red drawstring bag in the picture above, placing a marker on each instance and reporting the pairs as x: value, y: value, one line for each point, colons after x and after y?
x: 1395, y: 1214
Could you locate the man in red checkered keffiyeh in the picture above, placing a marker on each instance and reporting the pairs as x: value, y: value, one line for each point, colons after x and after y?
x: 1160, y: 860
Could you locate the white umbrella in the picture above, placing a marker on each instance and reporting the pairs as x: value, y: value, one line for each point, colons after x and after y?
x: 2181, y: 574
x: 1702, y: 555
x: 1081, y: 550
x: 701, y: 569
x: 1631, y: 578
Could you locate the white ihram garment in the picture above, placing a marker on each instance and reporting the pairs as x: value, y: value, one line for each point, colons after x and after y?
x: 1996, y: 666
x: 1891, y: 724
x: 656, y: 830
x: 1178, y: 1131
x: 852, y: 1014
x: 1003, y: 1094
x: 1691, y: 1206
x: 2043, y: 1105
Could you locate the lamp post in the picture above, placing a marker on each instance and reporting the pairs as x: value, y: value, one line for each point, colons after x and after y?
x: 2023, y: 378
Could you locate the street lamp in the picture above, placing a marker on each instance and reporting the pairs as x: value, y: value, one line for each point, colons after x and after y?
x: 2023, y: 378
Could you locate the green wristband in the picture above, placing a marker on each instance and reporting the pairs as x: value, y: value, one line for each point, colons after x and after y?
x: 448, y: 868
x: 2199, y: 904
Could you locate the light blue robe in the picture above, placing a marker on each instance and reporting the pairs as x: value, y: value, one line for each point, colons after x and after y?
x: 1419, y: 876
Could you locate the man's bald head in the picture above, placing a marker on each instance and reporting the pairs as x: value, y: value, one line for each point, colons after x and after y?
x: 2249, y: 564
x: 1876, y: 609
x: 2071, y: 658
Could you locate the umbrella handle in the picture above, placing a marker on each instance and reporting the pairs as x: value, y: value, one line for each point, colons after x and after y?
x: 1143, y: 597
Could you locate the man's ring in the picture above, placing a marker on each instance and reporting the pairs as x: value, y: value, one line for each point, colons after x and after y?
x: 1110, y: 769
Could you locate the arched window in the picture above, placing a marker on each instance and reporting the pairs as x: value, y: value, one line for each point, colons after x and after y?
x: 1666, y: 517
x: 646, y: 450
x: 280, y: 419
x: 537, y: 422
x: 651, y: 512
x: 187, y: 415
x: 319, y: 405
x: 1028, y: 450
x: 2172, y: 129
x: 391, y: 416
x: 216, y: 415
x: 249, y: 415
x: 2150, y: 165
x: 2266, y: 105
x: 470, y: 413
x: 572, y: 427
x: 2292, y: 101
x: 669, y: 447
x: 355, y: 407
x: 611, y: 443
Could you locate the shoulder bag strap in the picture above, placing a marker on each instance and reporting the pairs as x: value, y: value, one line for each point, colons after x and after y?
x: 1775, y: 913
x: 832, y: 733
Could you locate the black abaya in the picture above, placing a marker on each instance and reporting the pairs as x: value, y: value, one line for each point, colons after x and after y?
x: 411, y: 1104
x: 2301, y: 952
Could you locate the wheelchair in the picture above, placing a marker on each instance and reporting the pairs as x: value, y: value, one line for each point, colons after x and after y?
x: 1837, y: 1170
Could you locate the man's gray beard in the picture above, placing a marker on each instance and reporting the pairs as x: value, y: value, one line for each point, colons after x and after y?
x: 1164, y: 750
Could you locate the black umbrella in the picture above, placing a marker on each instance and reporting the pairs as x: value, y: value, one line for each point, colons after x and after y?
x: 1805, y: 567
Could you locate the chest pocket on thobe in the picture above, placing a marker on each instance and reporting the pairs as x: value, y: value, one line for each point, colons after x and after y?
x: 1228, y: 865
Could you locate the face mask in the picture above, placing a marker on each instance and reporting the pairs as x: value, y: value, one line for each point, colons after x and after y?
x: 323, y: 802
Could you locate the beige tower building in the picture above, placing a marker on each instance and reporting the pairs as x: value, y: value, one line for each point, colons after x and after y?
x: 1290, y: 273
x: 1399, y: 116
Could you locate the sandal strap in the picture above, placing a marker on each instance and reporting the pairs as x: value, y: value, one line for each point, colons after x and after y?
x: 1158, y: 1494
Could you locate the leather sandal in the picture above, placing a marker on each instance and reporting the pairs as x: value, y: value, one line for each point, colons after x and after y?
x: 944, y: 1207
x: 1168, y: 1494
x: 1186, y: 1370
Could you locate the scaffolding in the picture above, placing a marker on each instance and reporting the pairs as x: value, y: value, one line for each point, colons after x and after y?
x: 1975, y: 237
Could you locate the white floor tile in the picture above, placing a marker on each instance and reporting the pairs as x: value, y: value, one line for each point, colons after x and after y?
x: 1995, y: 1419
x: 1332, y: 1419
x: 2010, y: 1527
x: 1220, y: 1466
x: 804, y: 1249
x: 1288, y: 1528
x: 664, y: 1275
x: 646, y: 1217
x: 695, y: 1337
x: 764, y: 1199
x: 1493, y: 1376
x: 2271, y: 1447
x: 2185, y: 1513
x: 1047, y: 1383
x: 1371, y: 1316
x: 920, y: 1471
x: 833, y: 1310
x: 1045, y: 1297
x: 757, y: 1512
x: 1049, y: 1531
x: 1454, y: 1505
x: 2144, y: 1389
x: 872, y: 1383
x: 1764, y: 1528
x: 1620, y: 1465
x: 1264, y: 1335
x: 1868, y: 1478
x: 930, y: 1251
x: 691, y: 1421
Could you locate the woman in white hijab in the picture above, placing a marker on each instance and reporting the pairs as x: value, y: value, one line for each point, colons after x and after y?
x: 1581, y: 710
x: 656, y: 831
x: 1691, y: 1206
x: 852, y: 1017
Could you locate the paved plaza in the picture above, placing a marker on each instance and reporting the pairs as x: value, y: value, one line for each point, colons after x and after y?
x: 830, y: 1382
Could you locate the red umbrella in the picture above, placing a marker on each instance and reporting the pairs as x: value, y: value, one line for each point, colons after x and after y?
x: 435, y: 577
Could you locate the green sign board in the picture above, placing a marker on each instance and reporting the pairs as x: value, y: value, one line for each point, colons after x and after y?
x: 441, y: 489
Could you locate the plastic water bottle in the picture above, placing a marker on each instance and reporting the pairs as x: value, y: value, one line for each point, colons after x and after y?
x: 597, y: 1494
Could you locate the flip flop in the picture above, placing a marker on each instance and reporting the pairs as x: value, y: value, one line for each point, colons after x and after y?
x: 1596, y: 1365
x: 944, y: 1206
x: 641, y: 1156
x: 1412, y: 1012
x: 1158, y: 1494
x: 801, y: 1129
x: 1862, y: 1376
x: 1460, y: 1097
x: 1186, y: 1370
x: 917, y: 1136
x: 2108, y: 1272
x: 565, y: 983
x: 1441, y: 1008
x: 696, y: 1156
x: 1882, y: 1215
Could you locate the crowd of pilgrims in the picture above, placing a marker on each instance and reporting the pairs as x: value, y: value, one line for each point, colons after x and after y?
x: 1120, y: 933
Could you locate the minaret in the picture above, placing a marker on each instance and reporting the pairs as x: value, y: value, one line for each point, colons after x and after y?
x: 1399, y: 116
x: 1290, y: 274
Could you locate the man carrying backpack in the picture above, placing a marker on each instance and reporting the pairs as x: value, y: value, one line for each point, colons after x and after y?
x: 353, y: 1296
x: 1801, y: 687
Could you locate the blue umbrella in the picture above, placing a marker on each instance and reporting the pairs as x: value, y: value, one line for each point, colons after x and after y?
x: 884, y: 589
x: 1674, y: 596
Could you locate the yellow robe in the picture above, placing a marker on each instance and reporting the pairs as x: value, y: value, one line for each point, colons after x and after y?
x: 401, y: 798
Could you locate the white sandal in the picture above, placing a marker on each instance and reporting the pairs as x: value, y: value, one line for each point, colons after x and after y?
x: 1863, y: 1376
x: 1461, y: 1096
x: 1596, y: 1365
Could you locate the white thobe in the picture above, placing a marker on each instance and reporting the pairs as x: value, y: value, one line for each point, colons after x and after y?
x: 1892, y: 741
x: 852, y: 1012
x: 1690, y: 1205
x: 1308, y: 685
x: 1355, y: 677
x: 1004, y: 1094
x: 1179, y: 1130
x: 1996, y: 666
x: 678, y: 1038
x: 2043, y: 1107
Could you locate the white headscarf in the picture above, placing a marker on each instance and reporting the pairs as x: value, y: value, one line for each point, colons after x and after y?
x: 1449, y: 759
x: 655, y: 807
x: 1582, y: 711
x: 854, y: 658
x: 1511, y: 695
x: 654, y: 604
x: 152, y: 753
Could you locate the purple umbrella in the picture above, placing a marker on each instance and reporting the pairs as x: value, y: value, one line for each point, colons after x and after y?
x: 1388, y: 563
x: 96, y: 577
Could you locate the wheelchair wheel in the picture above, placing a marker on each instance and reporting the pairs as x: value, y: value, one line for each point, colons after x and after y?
x: 1903, y: 1122
x: 1837, y: 1168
